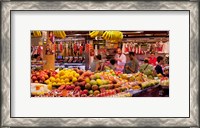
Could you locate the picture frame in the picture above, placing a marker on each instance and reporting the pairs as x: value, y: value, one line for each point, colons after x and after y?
x: 8, y: 6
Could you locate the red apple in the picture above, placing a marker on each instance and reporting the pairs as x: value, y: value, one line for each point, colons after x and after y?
x: 34, y: 78
x: 72, y: 86
x: 85, y: 91
x: 42, y: 78
x: 103, y: 94
x: 77, y: 88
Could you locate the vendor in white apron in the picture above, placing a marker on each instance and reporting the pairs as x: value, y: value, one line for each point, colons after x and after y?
x: 121, y: 59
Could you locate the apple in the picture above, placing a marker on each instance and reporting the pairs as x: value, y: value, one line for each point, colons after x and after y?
x: 34, y: 78
x: 42, y: 78
x: 37, y: 73
x: 46, y: 76
x: 72, y: 86
x: 85, y: 91
x: 103, y: 94
x: 77, y: 88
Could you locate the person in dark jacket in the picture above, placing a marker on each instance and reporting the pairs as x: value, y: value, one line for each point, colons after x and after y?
x: 158, y: 67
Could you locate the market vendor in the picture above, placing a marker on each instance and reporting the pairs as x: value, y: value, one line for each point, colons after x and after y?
x: 152, y: 59
x: 120, y: 58
x: 132, y: 65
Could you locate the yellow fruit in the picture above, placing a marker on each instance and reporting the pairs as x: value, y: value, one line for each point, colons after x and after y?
x: 61, y: 73
x: 99, y: 82
x: 54, y: 83
x: 70, y: 77
x: 76, y: 75
x: 56, y: 76
x: 66, y: 80
x: 62, y: 77
x: 74, y: 79
x: 52, y: 79
x: 49, y: 86
x: 57, y: 80
x: 73, y: 73
x: 87, y: 80
x: 47, y: 81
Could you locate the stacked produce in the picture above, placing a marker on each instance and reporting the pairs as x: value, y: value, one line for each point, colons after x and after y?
x: 79, y: 83
x: 164, y: 81
x: 41, y: 75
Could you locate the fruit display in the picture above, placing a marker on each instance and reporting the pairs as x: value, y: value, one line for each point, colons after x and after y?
x: 65, y: 76
x: 149, y: 83
x: 164, y: 81
x: 41, y: 75
x: 79, y: 83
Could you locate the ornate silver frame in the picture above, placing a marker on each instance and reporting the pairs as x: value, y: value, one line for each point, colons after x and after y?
x: 7, y: 6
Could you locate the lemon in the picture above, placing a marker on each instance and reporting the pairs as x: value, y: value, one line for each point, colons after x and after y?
x: 66, y: 80
x: 74, y: 79
x: 76, y: 75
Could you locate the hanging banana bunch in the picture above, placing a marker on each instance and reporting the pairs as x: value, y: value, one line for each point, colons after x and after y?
x: 93, y: 34
x: 37, y: 33
x: 113, y: 36
x: 59, y: 34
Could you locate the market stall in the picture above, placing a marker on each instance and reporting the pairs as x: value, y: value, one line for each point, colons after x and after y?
x: 79, y: 83
x: 61, y: 62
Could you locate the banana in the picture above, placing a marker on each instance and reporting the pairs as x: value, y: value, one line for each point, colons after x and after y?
x: 100, y: 33
x: 91, y: 33
x: 64, y: 34
x: 60, y: 34
x: 34, y: 33
x: 40, y: 33
x: 121, y: 37
x: 37, y: 34
x: 110, y: 37
x: 55, y: 33
x: 104, y: 34
x: 95, y: 34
